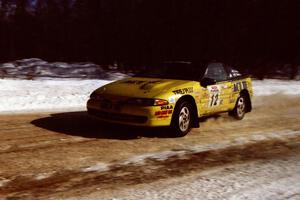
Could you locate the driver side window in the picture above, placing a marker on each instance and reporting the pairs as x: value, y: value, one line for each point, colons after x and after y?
x: 216, y: 71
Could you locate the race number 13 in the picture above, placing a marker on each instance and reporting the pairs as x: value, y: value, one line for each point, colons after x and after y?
x: 214, y: 97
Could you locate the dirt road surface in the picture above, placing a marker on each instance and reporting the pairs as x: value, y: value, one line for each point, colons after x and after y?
x: 71, y: 156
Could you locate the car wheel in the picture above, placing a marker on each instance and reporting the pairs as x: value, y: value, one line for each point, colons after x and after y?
x: 182, y: 120
x: 239, y: 110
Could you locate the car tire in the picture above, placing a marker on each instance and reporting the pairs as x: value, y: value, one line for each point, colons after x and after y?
x: 182, y: 119
x: 239, y: 110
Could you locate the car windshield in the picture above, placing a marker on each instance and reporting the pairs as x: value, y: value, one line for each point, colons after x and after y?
x: 174, y: 70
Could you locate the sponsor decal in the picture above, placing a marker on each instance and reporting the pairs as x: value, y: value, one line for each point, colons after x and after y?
x: 240, y: 86
x: 166, y: 107
x: 163, y: 116
x: 184, y: 91
x: 163, y: 113
x: 245, y: 86
x: 214, y: 88
x: 224, y: 86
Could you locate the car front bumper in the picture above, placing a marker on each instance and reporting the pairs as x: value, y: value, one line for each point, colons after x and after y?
x: 151, y: 116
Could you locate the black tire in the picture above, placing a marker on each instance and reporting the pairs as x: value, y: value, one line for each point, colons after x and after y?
x: 240, y: 108
x: 182, y: 119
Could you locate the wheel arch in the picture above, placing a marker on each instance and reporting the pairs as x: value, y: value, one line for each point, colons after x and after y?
x: 245, y: 93
x: 191, y: 100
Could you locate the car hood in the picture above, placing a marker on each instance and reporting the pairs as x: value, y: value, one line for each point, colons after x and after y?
x: 141, y: 87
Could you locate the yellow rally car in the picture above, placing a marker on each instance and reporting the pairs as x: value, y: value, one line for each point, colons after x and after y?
x: 175, y: 94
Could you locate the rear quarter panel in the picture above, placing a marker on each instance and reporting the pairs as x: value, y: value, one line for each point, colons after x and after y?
x: 238, y: 85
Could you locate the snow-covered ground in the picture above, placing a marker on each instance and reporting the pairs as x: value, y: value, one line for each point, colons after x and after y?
x: 45, y: 95
x: 269, y: 180
x: 273, y: 86
x: 33, y: 84
x: 36, y: 85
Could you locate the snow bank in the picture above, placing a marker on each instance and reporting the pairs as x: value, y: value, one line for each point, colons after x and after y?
x: 272, y: 86
x: 45, y: 95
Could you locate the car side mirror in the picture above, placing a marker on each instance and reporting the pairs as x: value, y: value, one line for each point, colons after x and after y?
x: 207, y: 81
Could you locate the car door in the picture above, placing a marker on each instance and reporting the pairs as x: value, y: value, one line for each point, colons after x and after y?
x: 215, y: 97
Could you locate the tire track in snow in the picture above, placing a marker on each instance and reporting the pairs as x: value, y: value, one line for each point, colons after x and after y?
x: 151, y: 168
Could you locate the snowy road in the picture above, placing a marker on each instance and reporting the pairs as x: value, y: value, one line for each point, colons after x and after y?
x: 272, y: 179
x: 70, y: 156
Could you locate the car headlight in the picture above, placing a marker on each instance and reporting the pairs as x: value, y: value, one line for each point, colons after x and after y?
x: 147, y: 102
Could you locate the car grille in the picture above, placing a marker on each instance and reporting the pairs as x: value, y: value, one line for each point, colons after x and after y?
x: 118, y: 116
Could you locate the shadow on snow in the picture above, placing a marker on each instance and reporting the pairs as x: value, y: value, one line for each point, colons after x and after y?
x: 81, y: 124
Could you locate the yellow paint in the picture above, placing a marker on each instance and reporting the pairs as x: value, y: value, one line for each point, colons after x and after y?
x: 215, y: 98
